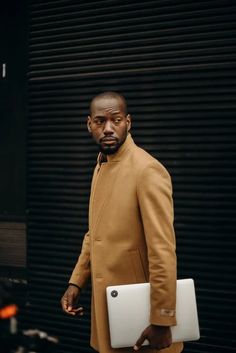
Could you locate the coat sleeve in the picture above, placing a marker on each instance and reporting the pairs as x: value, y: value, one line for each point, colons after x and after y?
x: 156, y: 206
x: 81, y: 272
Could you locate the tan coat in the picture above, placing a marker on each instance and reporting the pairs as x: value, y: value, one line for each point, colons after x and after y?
x: 130, y: 239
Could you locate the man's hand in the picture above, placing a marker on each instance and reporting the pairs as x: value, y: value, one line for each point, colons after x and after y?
x: 159, y: 337
x: 69, y: 301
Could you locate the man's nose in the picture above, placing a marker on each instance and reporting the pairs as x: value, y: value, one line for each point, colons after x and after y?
x: 108, y: 127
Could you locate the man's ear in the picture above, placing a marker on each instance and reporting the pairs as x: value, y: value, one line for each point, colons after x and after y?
x: 89, y: 124
x: 128, y: 121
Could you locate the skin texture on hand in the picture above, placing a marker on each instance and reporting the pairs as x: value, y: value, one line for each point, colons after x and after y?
x: 69, y: 301
x: 159, y: 337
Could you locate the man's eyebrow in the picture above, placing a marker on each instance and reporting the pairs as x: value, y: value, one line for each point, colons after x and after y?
x: 98, y: 117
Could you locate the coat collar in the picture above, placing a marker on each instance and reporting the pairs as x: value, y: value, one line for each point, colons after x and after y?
x: 119, y: 154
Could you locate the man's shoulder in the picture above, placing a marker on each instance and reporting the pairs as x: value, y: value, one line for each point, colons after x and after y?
x: 141, y: 160
x: 143, y: 155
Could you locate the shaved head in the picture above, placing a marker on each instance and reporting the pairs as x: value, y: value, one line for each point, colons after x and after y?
x: 109, y: 95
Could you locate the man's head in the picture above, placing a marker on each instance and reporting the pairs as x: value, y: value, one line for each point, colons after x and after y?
x: 108, y: 121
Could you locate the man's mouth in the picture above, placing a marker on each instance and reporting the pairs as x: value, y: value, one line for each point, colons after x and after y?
x: 108, y: 140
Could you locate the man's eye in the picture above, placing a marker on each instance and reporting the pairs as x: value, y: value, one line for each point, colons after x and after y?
x: 117, y: 120
x: 99, y: 121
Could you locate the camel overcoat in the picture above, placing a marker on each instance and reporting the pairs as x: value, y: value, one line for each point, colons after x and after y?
x: 130, y: 239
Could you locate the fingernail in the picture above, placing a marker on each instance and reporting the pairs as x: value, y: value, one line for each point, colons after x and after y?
x: 136, y: 348
x: 69, y: 308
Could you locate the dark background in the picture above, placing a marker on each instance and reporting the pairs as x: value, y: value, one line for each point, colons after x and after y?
x: 13, y: 132
x: 174, y: 61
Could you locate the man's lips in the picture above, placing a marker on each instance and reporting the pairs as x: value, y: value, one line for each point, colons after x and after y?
x: 108, y: 140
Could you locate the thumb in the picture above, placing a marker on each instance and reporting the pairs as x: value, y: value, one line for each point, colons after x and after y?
x: 139, y: 342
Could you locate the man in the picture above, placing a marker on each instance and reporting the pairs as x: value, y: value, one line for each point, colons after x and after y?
x: 131, y: 236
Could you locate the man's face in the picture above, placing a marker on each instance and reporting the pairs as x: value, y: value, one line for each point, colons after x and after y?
x: 108, y: 124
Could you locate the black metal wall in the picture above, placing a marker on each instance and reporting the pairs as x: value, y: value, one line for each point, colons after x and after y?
x: 175, y: 63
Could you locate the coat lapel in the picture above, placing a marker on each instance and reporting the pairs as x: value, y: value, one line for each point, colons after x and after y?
x: 101, y: 192
x: 104, y: 178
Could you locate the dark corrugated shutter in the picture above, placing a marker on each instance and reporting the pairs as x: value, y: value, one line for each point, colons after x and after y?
x: 175, y: 63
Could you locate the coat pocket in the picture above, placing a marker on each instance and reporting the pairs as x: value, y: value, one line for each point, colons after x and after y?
x: 137, y: 266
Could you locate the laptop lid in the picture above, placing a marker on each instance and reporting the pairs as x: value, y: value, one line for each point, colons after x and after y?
x: 129, y: 311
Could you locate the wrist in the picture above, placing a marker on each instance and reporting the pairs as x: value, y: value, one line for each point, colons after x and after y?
x: 74, y: 285
x: 161, y: 327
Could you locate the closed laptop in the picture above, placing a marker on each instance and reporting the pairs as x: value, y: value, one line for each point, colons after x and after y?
x: 129, y: 312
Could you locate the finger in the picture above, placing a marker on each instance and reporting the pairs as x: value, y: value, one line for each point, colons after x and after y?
x: 75, y: 311
x: 139, y: 342
x: 78, y: 311
x: 70, y: 312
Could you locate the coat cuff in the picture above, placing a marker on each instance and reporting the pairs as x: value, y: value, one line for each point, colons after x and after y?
x: 163, y: 317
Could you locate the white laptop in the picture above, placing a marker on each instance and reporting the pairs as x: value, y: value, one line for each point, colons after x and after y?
x: 129, y: 311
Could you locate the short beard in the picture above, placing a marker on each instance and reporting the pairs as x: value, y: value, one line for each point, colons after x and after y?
x: 109, y: 149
